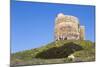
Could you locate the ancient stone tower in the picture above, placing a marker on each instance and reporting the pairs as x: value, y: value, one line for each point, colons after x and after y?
x: 68, y: 28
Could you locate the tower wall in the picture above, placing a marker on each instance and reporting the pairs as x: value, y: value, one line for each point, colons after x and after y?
x: 82, y: 32
x: 66, y: 27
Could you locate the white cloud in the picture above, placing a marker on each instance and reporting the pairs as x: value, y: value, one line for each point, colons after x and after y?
x: 83, y: 2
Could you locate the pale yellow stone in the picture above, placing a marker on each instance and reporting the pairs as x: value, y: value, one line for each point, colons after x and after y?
x: 67, y: 27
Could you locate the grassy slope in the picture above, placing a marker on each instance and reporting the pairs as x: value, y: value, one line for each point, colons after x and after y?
x: 56, y: 52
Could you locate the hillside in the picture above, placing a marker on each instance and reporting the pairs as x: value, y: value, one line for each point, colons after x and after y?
x: 56, y: 52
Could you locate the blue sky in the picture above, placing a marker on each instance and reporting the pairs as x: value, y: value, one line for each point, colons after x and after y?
x: 32, y: 23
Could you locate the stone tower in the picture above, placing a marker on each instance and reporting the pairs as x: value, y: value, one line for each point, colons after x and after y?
x: 82, y: 32
x: 67, y: 27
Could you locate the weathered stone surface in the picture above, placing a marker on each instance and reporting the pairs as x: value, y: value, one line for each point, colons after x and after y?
x: 67, y: 27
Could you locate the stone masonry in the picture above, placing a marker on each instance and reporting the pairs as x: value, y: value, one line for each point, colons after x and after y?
x: 67, y: 27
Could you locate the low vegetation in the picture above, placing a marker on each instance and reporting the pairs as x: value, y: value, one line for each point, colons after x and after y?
x: 56, y: 52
